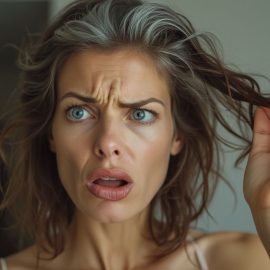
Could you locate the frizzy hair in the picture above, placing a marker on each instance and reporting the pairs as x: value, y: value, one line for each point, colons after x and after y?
x: 200, y: 84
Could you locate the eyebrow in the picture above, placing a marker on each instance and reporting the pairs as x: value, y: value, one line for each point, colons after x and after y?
x: 122, y: 104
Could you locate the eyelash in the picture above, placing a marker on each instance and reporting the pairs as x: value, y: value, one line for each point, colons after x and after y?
x: 71, y: 106
x: 85, y: 107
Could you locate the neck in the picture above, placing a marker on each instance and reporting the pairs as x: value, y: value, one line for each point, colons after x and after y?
x: 110, y: 245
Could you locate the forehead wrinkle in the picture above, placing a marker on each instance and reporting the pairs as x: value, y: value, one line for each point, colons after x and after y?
x: 97, y: 93
x: 115, y: 90
x: 107, y: 89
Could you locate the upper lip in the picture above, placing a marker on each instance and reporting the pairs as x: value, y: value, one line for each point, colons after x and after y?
x: 109, y: 173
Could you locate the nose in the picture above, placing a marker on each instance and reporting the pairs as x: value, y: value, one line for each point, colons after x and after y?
x: 108, y: 141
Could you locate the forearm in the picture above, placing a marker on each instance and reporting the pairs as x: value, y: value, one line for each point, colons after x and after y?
x: 262, y: 221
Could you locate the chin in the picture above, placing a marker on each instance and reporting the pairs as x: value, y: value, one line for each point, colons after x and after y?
x: 114, y: 212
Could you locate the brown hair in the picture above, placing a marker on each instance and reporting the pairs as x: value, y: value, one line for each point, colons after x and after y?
x: 201, y: 86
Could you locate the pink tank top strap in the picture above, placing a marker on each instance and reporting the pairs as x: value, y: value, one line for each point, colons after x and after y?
x: 199, y: 254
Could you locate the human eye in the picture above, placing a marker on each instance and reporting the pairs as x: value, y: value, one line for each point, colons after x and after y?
x: 144, y: 116
x: 78, y: 113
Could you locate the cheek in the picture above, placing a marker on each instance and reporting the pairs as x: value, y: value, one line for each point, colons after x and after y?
x: 154, y: 165
x: 157, y: 158
x: 71, y: 156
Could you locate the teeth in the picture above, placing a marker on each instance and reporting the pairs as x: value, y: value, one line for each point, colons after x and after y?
x: 109, y: 179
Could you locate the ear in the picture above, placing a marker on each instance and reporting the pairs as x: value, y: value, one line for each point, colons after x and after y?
x: 51, y: 142
x: 177, y: 144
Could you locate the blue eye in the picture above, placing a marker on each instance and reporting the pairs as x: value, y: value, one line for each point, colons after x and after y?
x: 77, y: 113
x: 142, y: 115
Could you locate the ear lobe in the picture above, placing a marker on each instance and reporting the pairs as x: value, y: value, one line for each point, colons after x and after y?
x: 177, y: 144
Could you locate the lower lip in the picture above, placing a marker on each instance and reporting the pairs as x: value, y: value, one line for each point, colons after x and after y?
x: 110, y: 193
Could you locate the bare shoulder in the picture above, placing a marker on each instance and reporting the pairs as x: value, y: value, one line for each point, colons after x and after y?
x: 23, y: 260
x: 234, y: 250
x: 33, y: 258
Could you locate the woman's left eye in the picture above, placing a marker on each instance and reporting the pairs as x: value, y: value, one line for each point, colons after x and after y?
x: 143, y: 115
x: 78, y: 113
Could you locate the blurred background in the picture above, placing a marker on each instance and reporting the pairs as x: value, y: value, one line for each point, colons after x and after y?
x: 242, y: 26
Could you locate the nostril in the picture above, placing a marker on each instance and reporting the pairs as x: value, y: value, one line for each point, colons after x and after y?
x: 102, y: 153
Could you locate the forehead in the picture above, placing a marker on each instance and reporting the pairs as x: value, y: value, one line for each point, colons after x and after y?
x: 132, y: 72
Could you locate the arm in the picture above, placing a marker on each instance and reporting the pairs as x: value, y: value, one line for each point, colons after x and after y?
x: 257, y: 176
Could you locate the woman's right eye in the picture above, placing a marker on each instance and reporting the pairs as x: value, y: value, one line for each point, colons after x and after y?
x: 78, y: 113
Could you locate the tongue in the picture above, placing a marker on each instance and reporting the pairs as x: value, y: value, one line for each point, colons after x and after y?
x: 109, y: 183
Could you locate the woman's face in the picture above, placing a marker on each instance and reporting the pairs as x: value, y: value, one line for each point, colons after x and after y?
x: 112, y: 132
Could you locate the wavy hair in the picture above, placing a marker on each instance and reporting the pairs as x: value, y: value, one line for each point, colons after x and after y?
x: 202, y: 90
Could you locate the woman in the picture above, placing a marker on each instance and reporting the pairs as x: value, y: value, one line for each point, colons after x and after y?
x: 116, y: 119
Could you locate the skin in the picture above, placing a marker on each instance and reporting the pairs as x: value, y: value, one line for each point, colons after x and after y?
x: 257, y: 176
x: 108, y: 234
x: 110, y: 137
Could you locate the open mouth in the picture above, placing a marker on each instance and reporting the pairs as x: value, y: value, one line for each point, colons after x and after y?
x: 110, y: 182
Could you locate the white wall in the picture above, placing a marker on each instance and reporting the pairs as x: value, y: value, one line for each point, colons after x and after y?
x: 242, y: 26
x: 56, y: 5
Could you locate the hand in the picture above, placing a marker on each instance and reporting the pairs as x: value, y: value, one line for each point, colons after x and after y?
x: 257, y: 176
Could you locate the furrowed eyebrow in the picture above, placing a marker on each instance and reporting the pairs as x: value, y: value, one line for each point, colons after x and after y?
x: 82, y: 98
x: 140, y: 103
x: 121, y: 104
